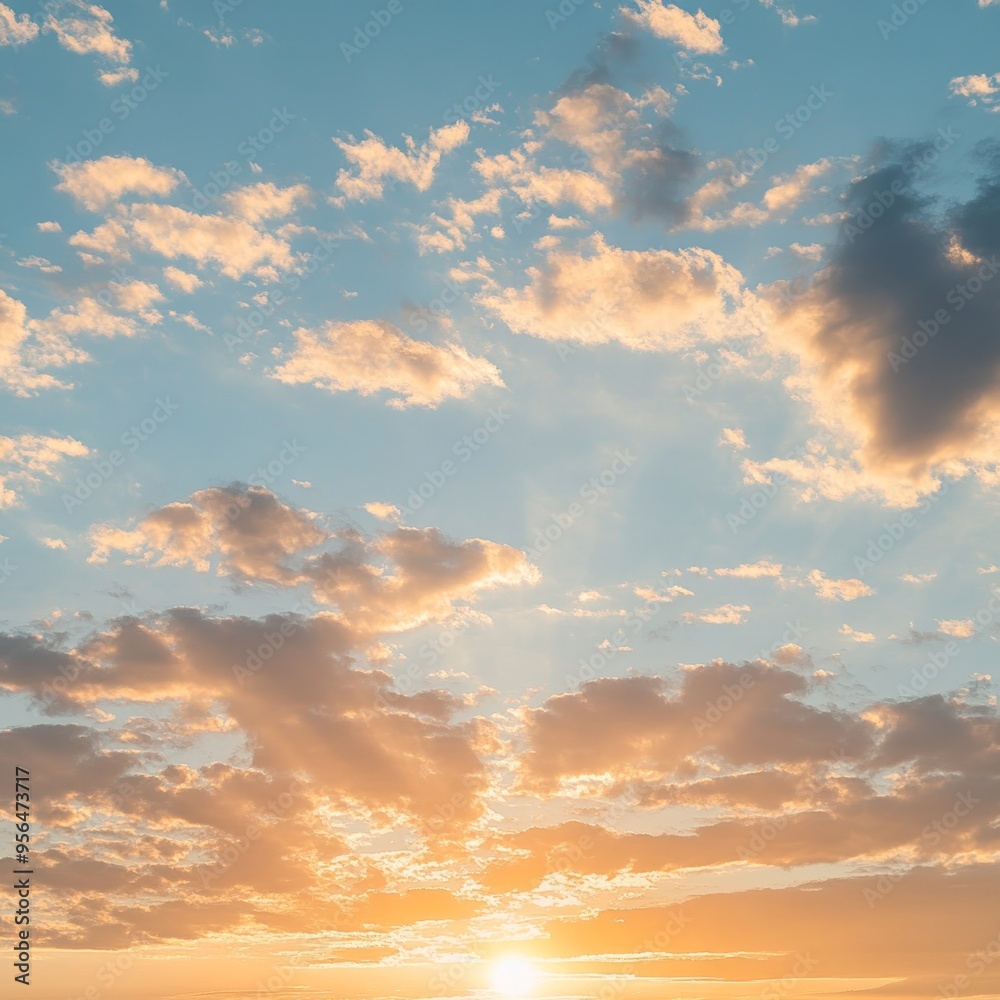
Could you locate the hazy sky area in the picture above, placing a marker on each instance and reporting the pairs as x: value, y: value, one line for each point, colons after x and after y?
x: 500, y: 499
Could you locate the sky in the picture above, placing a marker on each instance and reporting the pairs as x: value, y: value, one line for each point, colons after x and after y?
x: 498, y: 500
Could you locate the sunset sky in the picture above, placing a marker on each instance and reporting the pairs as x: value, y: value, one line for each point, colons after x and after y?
x: 500, y: 499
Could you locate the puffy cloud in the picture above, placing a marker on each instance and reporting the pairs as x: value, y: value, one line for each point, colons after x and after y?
x: 629, y: 172
x: 369, y: 356
x: 94, y: 184
x: 42, y: 264
x: 961, y: 628
x: 15, y: 29
x: 265, y: 200
x: 383, y: 511
x: 396, y: 581
x: 978, y: 88
x: 137, y: 296
x: 727, y: 614
x: 854, y: 635
x: 894, y: 341
x: 27, y: 345
x: 752, y: 571
x: 532, y: 182
x: 646, y: 300
x: 24, y: 460
x: 838, y: 590
x: 183, y: 280
x: 696, y: 32
x: 632, y: 728
x: 444, y: 234
x: 373, y: 161
x: 232, y: 244
x: 86, y: 28
x: 733, y: 437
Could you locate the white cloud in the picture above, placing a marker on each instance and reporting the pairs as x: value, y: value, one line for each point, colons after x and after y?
x: 647, y: 300
x: 265, y: 200
x: 978, y: 89
x: 695, y: 32
x: 95, y: 184
x: 16, y: 29
x: 368, y: 356
x: 88, y: 30
x: 183, y: 280
x: 24, y: 460
x: 854, y: 635
x: 373, y: 161
x: 838, y: 590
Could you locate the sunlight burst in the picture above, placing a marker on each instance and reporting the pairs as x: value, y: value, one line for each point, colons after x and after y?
x: 514, y: 977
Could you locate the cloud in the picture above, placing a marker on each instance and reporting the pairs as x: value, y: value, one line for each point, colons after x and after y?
x: 645, y: 300
x: 94, y: 184
x: 42, y: 264
x: 383, y: 511
x: 696, y: 32
x: 183, y: 280
x: 232, y: 244
x: 894, y: 340
x: 373, y: 161
x: 396, y: 581
x: 733, y: 437
x: 16, y: 29
x: 838, y: 590
x: 960, y: 628
x: 17, y: 370
x: 255, y: 202
x: 532, y: 182
x: 727, y: 614
x: 88, y: 29
x: 138, y: 297
x: 854, y: 635
x: 631, y: 728
x: 26, y: 459
x: 369, y: 356
x: 979, y: 88
x: 753, y: 571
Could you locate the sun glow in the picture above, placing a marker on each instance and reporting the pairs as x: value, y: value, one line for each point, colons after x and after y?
x: 514, y: 977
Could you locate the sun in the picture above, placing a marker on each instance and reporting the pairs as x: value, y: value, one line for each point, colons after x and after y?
x: 514, y: 977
